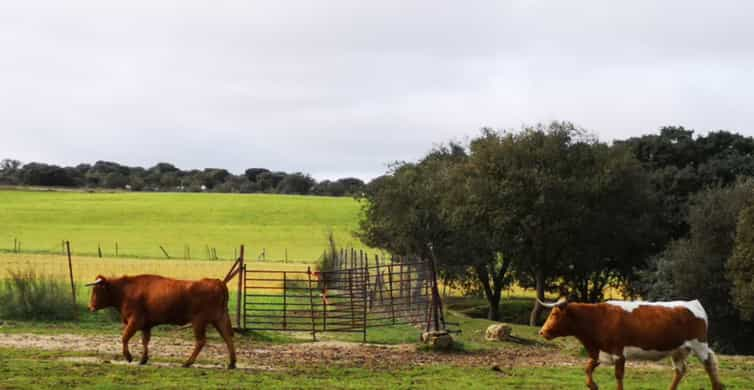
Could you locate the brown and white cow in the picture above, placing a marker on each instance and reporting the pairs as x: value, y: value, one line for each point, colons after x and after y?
x: 614, y: 331
x: 145, y: 301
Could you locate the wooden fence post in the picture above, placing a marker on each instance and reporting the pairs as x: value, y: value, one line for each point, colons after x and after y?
x: 390, y: 291
x: 311, y: 303
x: 241, y: 276
x: 285, y: 300
x: 70, y: 273
x: 378, y: 282
x: 365, y: 277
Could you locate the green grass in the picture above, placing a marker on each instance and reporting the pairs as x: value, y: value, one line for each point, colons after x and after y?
x: 48, y: 369
x: 141, y: 222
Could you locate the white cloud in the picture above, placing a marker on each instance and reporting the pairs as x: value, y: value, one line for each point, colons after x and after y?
x: 343, y: 88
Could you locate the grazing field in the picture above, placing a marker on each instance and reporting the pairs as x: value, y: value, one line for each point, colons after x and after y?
x: 141, y: 222
x: 45, y: 355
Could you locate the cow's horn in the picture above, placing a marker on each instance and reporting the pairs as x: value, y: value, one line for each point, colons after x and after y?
x: 560, y: 303
x: 94, y: 283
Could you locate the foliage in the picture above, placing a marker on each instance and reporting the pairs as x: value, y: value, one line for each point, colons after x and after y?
x: 681, y: 165
x: 166, y: 177
x: 296, y: 183
x: 327, y: 262
x: 417, y: 209
x: 740, y: 266
x: 695, y: 267
x: 549, y: 202
x: 347, y: 186
x: 27, y: 295
x: 562, y: 206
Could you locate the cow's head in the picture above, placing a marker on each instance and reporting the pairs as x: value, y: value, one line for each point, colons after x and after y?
x: 100, y: 294
x: 558, y: 323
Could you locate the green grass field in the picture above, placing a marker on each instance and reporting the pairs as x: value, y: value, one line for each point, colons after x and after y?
x: 42, y: 369
x: 534, y: 364
x: 141, y: 222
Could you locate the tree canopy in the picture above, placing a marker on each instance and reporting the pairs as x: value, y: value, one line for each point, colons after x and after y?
x: 167, y: 177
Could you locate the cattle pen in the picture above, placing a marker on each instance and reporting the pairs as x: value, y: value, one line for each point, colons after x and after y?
x: 350, y: 296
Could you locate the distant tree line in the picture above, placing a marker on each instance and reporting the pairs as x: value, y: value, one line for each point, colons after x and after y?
x: 663, y: 216
x: 167, y: 178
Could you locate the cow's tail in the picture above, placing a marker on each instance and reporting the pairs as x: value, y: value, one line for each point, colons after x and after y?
x: 226, y: 295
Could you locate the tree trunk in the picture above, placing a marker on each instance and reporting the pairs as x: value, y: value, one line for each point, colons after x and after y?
x: 493, y: 313
x: 492, y: 293
x: 537, y: 310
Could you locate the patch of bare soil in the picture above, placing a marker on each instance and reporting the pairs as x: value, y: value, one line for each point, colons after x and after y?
x: 262, y: 356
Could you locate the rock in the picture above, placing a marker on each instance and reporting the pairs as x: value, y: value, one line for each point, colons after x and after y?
x: 437, y: 339
x: 498, y: 332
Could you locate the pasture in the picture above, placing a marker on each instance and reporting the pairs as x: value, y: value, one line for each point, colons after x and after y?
x: 87, y: 355
x: 86, y: 352
x: 141, y: 222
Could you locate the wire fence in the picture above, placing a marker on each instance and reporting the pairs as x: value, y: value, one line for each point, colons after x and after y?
x: 177, y: 252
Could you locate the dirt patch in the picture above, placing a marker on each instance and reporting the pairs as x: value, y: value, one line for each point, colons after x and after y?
x: 262, y: 356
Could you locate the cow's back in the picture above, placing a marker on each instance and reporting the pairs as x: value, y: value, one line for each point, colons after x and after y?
x: 170, y: 301
x: 653, y: 326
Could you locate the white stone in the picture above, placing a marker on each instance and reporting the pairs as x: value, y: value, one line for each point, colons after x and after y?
x: 497, y: 332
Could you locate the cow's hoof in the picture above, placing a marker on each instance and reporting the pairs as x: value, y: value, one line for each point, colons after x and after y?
x: 143, y: 361
x: 186, y: 365
x: 232, y: 365
x: 129, y: 358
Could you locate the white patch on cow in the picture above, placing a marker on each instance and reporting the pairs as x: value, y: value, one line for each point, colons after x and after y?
x: 695, y: 307
x: 701, y: 349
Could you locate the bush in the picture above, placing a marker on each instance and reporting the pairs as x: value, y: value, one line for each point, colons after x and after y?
x: 26, y: 295
x: 328, y: 261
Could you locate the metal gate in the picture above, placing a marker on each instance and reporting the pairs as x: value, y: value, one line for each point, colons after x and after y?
x: 353, y: 295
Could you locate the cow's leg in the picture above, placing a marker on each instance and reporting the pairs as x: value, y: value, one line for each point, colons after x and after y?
x: 200, y: 338
x: 710, y: 365
x: 146, y: 334
x: 620, y: 365
x: 131, y: 327
x: 593, y: 363
x: 679, y: 366
x: 708, y: 358
x: 225, y: 328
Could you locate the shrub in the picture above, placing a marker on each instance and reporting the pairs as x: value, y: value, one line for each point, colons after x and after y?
x: 27, y: 295
x: 328, y: 261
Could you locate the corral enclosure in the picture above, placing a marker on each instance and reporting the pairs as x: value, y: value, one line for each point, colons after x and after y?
x: 274, y: 227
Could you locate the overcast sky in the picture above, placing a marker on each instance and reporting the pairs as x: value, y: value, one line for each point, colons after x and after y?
x: 341, y: 88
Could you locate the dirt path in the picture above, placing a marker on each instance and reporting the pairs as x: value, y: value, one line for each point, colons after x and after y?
x: 254, y: 355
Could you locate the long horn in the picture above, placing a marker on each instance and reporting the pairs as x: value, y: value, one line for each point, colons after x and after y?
x: 560, y: 303
x: 94, y: 283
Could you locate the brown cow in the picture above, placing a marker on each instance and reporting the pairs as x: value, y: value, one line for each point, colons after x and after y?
x: 145, y: 301
x: 614, y: 331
